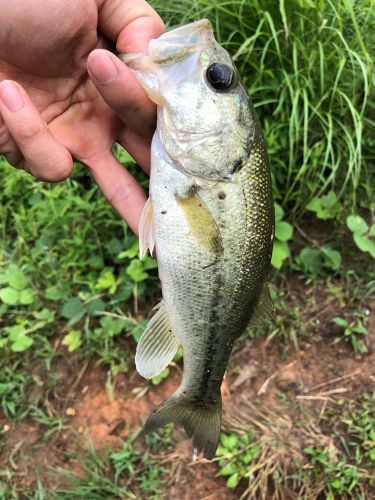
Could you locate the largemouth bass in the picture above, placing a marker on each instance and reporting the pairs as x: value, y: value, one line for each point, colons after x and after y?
x: 209, y: 217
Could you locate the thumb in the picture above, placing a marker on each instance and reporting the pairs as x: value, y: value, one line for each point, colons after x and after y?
x: 131, y: 24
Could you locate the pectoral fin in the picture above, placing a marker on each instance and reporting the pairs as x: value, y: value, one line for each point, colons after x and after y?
x: 157, y: 346
x: 201, y: 223
x: 146, y: 230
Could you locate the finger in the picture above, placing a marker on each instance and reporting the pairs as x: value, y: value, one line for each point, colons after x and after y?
x: 44, y: 157
x: 129, y: 23
x: 138, y: 147
x: 119, y: 187
x: 122, y: 92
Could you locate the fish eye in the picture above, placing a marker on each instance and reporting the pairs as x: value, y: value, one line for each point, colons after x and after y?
x: 221, y: 76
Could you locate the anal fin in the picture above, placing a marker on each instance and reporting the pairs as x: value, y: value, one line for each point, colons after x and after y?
x: 157, y: 346
x: 146, y: 230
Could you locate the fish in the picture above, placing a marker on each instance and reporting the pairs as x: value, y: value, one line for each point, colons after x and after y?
x: 209, y: 218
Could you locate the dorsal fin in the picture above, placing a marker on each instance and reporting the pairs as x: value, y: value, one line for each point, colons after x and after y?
x: 264, y: 311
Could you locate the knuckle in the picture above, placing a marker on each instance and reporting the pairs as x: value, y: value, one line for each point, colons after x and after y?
x: 122, y: 194
x: 29, y: 132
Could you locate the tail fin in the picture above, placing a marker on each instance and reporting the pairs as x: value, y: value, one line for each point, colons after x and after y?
x: 201, y: 424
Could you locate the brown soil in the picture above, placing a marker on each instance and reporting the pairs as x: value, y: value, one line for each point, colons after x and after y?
x: 322, y: 370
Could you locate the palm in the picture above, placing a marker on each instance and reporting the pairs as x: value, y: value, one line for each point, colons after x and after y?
x: 52, y: 69
x: 44, y: 49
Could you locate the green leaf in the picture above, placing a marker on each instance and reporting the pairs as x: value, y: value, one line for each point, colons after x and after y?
x: 283, y: 231
x: 3, y: 279
x: 372, y: 231
x: 233, y: 480
x: 340, y: 321
x: 19, y: 339
x: 159, y: 378
x: 115, y: 246
x: 311, y: 260
x: 279, y: 254
x: 337, y: 484
x: 124, y: 156
x: 96, y: 262
x: 15, y: 332
x: 279, y: 212
x: 113, y: 326
x: 329, y: 200
x: 53, y: 293
x: 9, y: 296
x: 73, y: 309
x: 22, y: 344
x: 107, y: 281
x: 136, y: 271
x: 131, y: 252
x: 16, y: 278
x: 27, y: 297
x: 314, y: 205
x: 325, y: 207
x: 356, y: 224
x: 45, y: 315
x: 364, y: 244
x: 149, y: 263
x: 72, y: 340
x: 332, y: 258
x: 360, y: 329
x: 96, y: 305
x: 228, y: 469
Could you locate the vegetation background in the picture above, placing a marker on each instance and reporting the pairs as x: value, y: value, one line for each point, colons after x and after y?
x: 75, y: 298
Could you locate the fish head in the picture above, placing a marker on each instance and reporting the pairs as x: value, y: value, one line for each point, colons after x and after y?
x: 205, y: 119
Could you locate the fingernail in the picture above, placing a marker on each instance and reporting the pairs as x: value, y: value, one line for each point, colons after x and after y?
x: 102, y: 67
x: 11, y: 97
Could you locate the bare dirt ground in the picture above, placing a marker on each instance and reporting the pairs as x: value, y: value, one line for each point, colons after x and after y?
x: 309, y: 380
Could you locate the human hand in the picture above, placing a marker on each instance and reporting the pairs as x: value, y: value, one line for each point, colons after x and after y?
x: 51, y: 111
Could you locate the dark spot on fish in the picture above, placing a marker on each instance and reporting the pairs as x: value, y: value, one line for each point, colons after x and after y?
x: 222, y: 195
x: 163, y: 212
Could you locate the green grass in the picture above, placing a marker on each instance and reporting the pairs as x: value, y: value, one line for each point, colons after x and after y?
x: 125, y: 473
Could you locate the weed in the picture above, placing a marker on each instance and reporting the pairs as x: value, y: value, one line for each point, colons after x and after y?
x: 363, y: 235
x: 125, y: 473
x: 283, y: 233
x: 353, y: 331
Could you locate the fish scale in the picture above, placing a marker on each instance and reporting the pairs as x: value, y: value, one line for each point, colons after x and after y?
x: 210, y: 216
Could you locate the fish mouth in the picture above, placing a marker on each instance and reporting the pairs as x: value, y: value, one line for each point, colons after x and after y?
x: 177, y: 43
